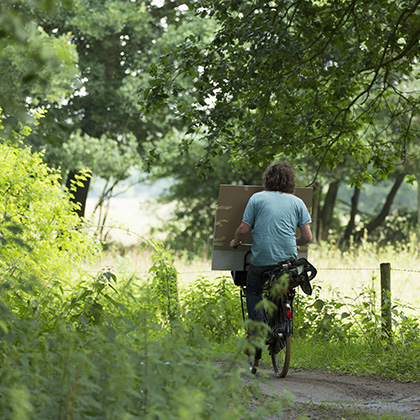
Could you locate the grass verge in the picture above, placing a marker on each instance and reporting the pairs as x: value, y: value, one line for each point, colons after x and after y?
x: 358, y: 357
x: 326, y: 412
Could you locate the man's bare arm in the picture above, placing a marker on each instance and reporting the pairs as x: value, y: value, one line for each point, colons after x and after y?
x: 306, y: 235
x: 240, y: 233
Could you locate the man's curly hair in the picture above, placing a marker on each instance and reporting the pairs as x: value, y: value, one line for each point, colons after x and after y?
x: 279, y: 176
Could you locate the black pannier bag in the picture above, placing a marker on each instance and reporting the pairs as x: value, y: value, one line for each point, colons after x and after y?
x: 239, y: 277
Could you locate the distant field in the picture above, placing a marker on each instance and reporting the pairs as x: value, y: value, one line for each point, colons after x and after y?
x: 135, y: 214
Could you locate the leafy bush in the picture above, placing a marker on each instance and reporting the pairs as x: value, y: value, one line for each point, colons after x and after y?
x: 214, y: 307
x: 110, y: 374
x: 78, y: 346
x: 42, y: 240
x: 345, y: 318
x: 127, y: 364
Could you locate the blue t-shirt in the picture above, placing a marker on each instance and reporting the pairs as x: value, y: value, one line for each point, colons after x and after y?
x: 274, y: 218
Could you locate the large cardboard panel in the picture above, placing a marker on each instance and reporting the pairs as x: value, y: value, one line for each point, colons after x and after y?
x: 231, y: 205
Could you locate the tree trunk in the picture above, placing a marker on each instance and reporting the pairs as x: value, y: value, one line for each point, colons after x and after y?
x: 353, y: 212
x: 418, y: 201
x: 79, y: 192
x: 378, y: 220
x: 315, y: 210
x: 328, y: 210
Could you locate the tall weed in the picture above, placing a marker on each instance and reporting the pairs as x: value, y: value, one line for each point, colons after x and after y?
x: 214, y: 308
x: 164, y: 283
x: 111, y: 374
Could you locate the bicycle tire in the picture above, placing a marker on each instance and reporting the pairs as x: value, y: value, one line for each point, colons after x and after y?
x: 281, y: 360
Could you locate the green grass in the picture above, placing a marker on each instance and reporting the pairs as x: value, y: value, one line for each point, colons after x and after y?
x: 354, y: 357
x: 344, y: 273
x: 326, y: 412
x: 358, y: 357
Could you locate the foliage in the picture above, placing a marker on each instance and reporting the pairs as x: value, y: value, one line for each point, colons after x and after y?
x: 339, y: 334
x: 128, y: 365
x: 75, y: 346
x: 164, y: 284
x: 191, y: 225
x: 345, y: 318
x: 42, y: 240
x: 397, y: 228
x: 350, y: 331
x: 116, y: 40
x: 82, y: 151
x: 84, y: 62
x: 113, y: 373
x: 300, y: 79
x: 213, y: 307
x: 36, y: 66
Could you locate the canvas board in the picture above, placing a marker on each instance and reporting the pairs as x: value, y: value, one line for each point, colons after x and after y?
x: 230, y: 208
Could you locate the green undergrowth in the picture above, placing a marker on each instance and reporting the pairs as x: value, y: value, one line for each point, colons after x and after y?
x: 76, y: 345
x: 350, y: 335
x: 339, y: 335
x: 331, y: 335
x: 117, y: 351
x: 131, y: 372
x: 110, y: 345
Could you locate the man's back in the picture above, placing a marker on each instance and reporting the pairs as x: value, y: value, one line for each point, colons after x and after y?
x: 274, y: 217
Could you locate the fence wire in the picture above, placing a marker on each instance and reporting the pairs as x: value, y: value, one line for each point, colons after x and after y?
x: 320, y: 269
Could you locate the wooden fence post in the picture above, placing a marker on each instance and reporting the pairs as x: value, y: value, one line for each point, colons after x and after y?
x: 386, y: 298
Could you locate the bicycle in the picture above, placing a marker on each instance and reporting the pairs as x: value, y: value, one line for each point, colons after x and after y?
x: 279, y: 288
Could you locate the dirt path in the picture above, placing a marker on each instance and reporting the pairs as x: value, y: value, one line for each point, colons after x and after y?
x: 318, y: 389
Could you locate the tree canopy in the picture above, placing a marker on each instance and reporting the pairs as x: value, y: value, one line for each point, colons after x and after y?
x: 302, y: 79
x: 330, y: 85
x: 35, y: 66
x: 116, y: 41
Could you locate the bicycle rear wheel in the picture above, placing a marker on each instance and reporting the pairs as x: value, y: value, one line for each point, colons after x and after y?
x: 281, y: 359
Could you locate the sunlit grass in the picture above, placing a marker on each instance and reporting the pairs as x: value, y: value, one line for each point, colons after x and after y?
x: 327, y: 412
x: 340, y: 274
x: 348, y: 273
x: 358, y: 357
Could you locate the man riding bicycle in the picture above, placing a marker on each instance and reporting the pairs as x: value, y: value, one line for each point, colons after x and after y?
x: 272, y: 215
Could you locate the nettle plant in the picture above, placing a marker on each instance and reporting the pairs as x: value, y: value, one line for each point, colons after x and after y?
x: 214, y: 308
x: 43, y: 242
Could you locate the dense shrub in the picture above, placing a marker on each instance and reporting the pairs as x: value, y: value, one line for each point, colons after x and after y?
x: 77, y: 346
x: 214, y: 307
x: 42, y: 239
